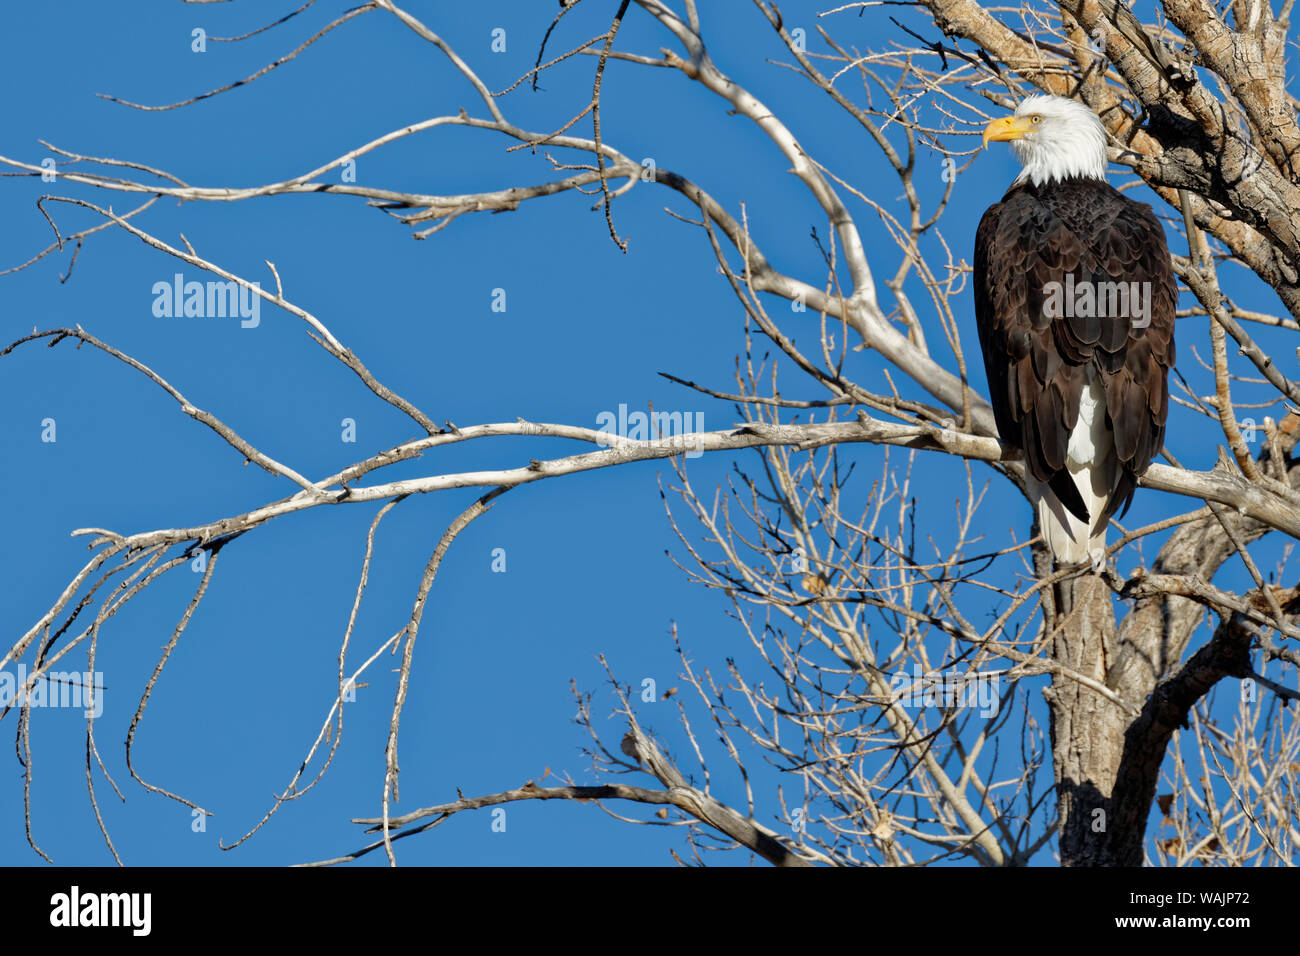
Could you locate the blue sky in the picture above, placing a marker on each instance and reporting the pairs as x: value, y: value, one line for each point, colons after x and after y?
x: 586, y: 328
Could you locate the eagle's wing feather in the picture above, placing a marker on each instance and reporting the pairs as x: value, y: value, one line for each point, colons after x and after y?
x: 1137, y: 393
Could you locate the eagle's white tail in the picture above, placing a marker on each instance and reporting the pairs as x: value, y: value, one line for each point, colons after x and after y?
x: 1090, y: 459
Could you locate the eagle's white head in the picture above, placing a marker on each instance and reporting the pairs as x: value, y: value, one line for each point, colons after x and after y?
x: 1054, y: 138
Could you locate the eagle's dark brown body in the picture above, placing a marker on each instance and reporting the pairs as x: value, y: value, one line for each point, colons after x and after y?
x: 1080, y: 231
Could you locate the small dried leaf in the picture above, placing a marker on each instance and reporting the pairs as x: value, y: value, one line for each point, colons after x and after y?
x: 884, y: 828
x: 813, y: 583
x: 629, y: 747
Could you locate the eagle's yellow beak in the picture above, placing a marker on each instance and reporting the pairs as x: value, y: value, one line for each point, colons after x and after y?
x: 1006, y: 128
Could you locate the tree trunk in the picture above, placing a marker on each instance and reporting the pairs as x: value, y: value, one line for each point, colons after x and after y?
x: 1088, y: 734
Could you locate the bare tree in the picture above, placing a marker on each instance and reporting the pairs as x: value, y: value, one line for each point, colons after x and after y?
x: 903, y: 730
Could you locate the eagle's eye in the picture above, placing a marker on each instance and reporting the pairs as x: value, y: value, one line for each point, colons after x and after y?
x: 1035, y: 118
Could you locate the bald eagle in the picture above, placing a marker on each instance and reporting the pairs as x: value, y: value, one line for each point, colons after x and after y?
x: 1074, y: 302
